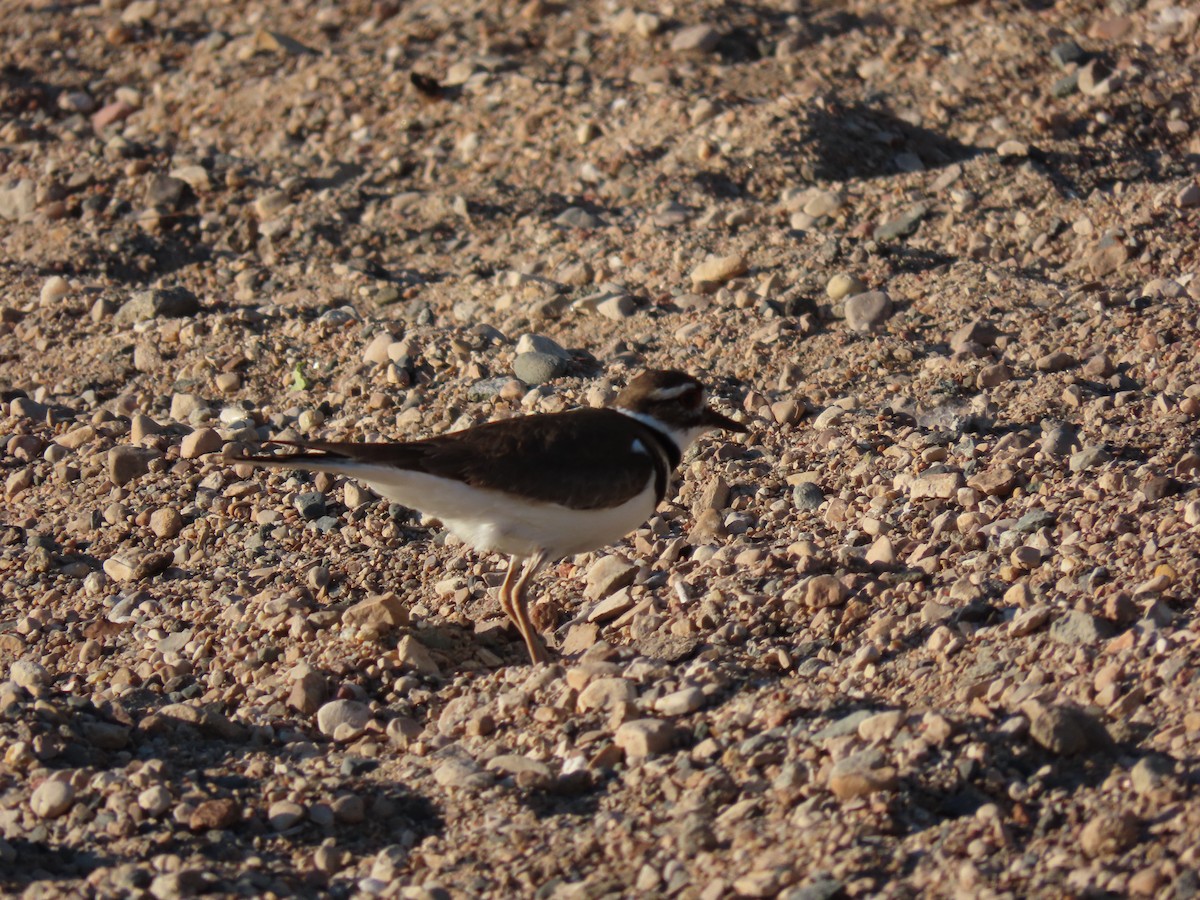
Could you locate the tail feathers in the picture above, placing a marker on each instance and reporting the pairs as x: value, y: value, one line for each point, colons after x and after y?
x: 310, y: 452
x: 334, y: 456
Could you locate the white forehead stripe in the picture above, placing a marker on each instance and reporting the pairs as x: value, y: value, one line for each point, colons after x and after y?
x: 670, y: 393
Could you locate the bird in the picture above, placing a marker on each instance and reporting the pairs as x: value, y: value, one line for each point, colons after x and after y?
x: 537, y: 487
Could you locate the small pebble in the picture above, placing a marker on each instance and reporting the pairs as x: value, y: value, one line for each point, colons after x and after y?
x: 842, y: 285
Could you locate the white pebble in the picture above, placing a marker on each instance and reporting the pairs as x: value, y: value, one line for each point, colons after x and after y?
x: 54, y: 290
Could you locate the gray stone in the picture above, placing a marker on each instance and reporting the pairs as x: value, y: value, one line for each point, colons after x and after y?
x: 1065, y: 86
x: 1058, y: 439
x: 807, y: 495
x: 343, y: 713
x: 310, y: 504
x: 902, y: 225
x: 535, y: 367
x: 1067, y: 730
x: 458, y: 772
x: 1077, y: 627
x: 158, y: 303
x: 1035, y: 520
x: 1065, y: 53
x: 1089, y: 458
x: 822, y: 888
x: 487, y: 388
x: 165, y: 191
x: 866, y: 311
x: 125, y: 463
x: 578, y: 217
x: 844, y: 726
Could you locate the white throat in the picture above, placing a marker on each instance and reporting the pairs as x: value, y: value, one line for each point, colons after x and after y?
x: 681, y: 438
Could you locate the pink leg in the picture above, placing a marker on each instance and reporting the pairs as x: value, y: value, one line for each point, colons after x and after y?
x: 519, y: 612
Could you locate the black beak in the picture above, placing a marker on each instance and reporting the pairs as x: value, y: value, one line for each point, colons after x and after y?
x: 714, y: 419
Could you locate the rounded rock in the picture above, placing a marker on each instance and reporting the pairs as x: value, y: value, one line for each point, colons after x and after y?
x: 54, y: 290
x: 843, y: 285
x: 822, y: 591
x: 342, y: 712
x: 155, y: 800
x: 867, y: 311
x: 28, y: 674
x: 1109, y: 834
x: 200, y: 442
x: 808, y: 496
x: 536, y: 367
x: 52, y: 799
x: 284, y: 814
x: 166, y: 522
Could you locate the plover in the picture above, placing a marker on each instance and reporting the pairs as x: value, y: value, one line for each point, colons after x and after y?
x: 538, y: 487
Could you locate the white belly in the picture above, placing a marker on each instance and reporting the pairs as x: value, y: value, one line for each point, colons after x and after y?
x: 491, y: 521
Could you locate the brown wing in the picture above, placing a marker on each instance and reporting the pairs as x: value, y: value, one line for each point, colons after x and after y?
x: 585, y: 459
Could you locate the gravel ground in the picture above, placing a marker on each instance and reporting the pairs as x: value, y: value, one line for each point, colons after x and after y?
x: 929, y: 630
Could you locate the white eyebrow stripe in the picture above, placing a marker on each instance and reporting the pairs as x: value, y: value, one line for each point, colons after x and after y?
x: 670, y: 393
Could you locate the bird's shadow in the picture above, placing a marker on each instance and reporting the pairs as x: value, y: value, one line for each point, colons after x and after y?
x: 843, y: 142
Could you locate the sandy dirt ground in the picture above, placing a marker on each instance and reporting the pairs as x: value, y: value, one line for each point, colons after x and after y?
x: 928, y: 630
